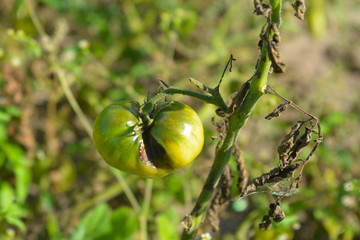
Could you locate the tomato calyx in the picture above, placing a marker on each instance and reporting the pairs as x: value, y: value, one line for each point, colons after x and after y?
x: 144, y: 119
x: 146, y: 114
x: 148, y: 111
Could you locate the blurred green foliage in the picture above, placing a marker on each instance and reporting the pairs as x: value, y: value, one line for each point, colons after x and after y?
x: 53, y: 185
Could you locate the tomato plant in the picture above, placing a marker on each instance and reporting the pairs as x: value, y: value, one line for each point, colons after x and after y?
x: 153, y: 145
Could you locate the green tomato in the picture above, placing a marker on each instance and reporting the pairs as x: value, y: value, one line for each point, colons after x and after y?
x: 174, y: 138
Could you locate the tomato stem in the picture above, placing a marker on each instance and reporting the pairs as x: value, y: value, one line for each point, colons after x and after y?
x: 236, y: 121
x: 215, y: 98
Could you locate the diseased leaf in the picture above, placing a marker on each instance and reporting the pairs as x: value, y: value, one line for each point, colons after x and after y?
x: 300, y: 8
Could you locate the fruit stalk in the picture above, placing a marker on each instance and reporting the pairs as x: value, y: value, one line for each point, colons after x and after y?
x: 215, y: 100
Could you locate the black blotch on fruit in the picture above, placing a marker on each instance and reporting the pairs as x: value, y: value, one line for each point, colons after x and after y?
x: 152, y: 153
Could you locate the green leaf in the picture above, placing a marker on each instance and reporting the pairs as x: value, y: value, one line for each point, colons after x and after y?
x: 20, y: 9
x: 124, y: 222
x: 12, y: 151
x: 2, y: 158
x: 23, y: 179
x: 30, y: 44
x: 331, y: 121
x: 346, y: 159
x: 13, y: 111
x: 174, y: 184
x: 330, y: 221
x: 53, y: 227
x: 3, y: 133
x: 16, y: 221
x: 4, y: 116
x: 16, y: 210
x: 96, y: 222
x: 6, y: 196
x: 78, y: 233
x: 10, y: 209
x: 166, y: 228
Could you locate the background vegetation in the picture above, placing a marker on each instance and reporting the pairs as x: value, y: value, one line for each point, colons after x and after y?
x: 53, y: 184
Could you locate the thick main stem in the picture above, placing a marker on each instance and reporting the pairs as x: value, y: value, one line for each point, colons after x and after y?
x: 223, y: 154
x: 236, y: 122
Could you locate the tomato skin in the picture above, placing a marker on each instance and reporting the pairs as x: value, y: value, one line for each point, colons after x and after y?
x: 172, y: 141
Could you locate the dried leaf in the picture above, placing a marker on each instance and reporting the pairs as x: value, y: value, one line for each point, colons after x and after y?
x: 220, y: 200
x: 275, y: 175
x: 266, y: 223
x: 302, y: 142
x: 276, y: 213
x: 276, y: 113
x: 288, y: 142
x: 274, y: 52
x: 240, y: 167
x: 264, y: 32
x: 300, y: 8
x: 261, y: 8
x: 276, y: 37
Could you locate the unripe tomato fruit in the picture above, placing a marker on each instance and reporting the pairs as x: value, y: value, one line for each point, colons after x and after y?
x: 172, y: 140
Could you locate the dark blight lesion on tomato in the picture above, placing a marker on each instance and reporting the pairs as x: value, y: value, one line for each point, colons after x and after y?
x: 172, y: 140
